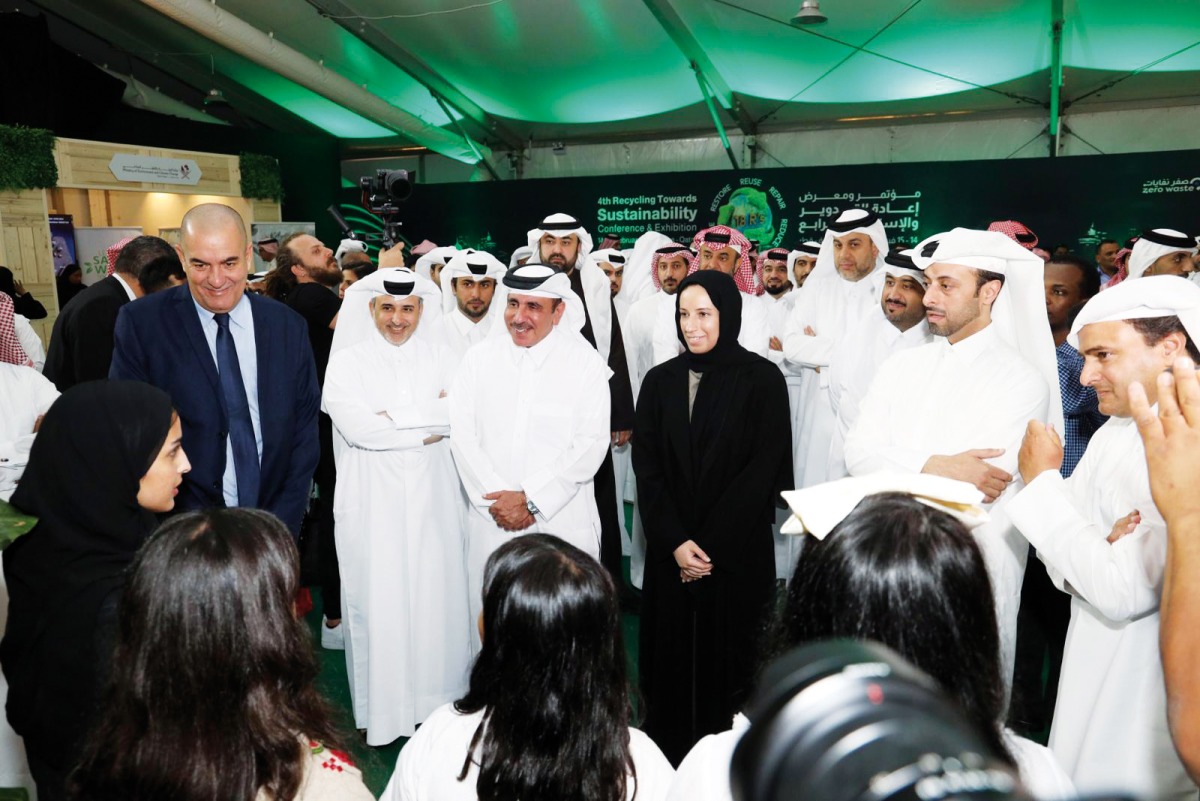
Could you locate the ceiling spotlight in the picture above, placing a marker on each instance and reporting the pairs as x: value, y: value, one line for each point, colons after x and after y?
x: 809, y: 14
x: 215, y: 97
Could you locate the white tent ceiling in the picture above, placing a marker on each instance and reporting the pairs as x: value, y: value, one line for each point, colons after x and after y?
x: 504, y: 72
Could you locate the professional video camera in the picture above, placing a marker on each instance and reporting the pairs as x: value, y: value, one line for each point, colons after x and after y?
x: 843, y: 720
x: 381, y: 195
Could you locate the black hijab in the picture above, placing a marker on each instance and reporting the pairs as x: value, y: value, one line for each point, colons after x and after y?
x: 727, y: 299
x: 94, y: 445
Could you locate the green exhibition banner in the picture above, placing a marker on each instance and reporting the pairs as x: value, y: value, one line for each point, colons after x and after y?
x: 1075, y: 201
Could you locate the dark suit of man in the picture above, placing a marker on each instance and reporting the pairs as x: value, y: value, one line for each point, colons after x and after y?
x: 160, y: 340
x: 81, y: 345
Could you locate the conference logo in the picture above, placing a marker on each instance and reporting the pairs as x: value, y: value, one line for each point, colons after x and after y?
x: 758, y: 211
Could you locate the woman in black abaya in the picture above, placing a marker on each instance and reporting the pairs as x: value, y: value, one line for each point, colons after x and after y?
x: 712, y: 452
x: 106, y: 458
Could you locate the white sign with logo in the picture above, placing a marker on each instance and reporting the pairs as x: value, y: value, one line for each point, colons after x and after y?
x: 152, y: 169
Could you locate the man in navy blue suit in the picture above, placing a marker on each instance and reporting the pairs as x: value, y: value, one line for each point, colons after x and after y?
x: 238, y: 368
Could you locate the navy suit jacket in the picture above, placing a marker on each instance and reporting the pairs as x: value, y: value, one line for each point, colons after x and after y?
x: 159, y: 340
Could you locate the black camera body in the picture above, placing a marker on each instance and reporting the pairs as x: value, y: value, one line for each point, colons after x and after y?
x: 385, y: 191
x: 845, y: 720
x: 382, y: 194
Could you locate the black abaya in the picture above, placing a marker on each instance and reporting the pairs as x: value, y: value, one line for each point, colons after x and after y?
x: 714, y: 479
x: 65, y: 576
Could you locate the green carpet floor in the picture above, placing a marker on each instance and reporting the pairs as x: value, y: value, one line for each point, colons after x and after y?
x: 377, y: 763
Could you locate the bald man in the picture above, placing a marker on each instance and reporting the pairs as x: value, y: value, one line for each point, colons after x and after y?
x: 238, y: 368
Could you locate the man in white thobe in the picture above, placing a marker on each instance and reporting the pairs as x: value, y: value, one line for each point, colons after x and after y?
x: 469, y: 280
x: 669, y: 265
x: 1162, y: 251
x: 25, y: 397
x: 774, y: 269
x: 431, y: 264
x: 958, y: 406
x: 728, y: 250
x: 397, y: 510
x: 529, y: 412
x: 898, y: 325
x: 842, y: 290
x: 773, y: 275
x: 802, y: 260
x: 562, y: 242
x: 1104, y: 542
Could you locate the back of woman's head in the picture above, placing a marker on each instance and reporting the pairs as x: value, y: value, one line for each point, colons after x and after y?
x: 904, y: 574
x: 550, y: 677
x: 212, y: 681
x: 212, y: 596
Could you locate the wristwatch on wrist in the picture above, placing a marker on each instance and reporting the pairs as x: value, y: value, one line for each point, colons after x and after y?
x: 531, y: 506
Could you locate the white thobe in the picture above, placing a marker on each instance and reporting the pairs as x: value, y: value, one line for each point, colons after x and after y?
x: 754, y: 336
x: 31, y: 343
x: 623, y: 456
x: 25, y: 394
x: 534, y: 420
x: 852, y: 366
x: 703, y: 774
x: 398, y: 514
x: 787, y: 547
x: 458, y: 333
x: 428, y: 766
x: 943, y: 399
x: 833, y: 308
x: 1110, y: 719
x: 638, y: 332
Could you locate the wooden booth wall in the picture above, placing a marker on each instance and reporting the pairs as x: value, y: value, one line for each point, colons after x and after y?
x: 25, y: 249
x: 88, y: 191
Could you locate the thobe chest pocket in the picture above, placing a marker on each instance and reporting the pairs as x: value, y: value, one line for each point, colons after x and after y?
x: 551, y: 424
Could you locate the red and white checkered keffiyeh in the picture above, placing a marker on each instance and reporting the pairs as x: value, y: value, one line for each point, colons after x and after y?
x: 743, y: 276
x: 670, y: 250
x: 114, y: 250
x: 1122, y: 272
x: 1016, y: 231
x: 10, y: 347
x: 770, y: 254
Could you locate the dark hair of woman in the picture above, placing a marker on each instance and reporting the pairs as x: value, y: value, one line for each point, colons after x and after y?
x: 213, y: 678
x: 550, y: 679
x: 906, y: 575
x: 361, y: 271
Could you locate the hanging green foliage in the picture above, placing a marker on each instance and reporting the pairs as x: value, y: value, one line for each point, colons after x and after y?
x: 260, y: 177
x: 27, y: 158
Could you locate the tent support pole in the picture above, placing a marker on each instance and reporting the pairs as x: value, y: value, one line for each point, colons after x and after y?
x: 716, y: 118
x: 470, y: 142
x: 1056, y: 76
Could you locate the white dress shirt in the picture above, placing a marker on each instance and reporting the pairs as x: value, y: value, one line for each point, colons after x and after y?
x: 241, y: 328
x: 428, y: 767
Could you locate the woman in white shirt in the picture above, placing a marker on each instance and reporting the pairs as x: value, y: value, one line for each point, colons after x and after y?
x: 546, y: 715
x: 901, y: 573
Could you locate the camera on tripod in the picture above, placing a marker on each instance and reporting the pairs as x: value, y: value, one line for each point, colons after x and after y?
x: 382, y: 195
x: 383, y: 192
